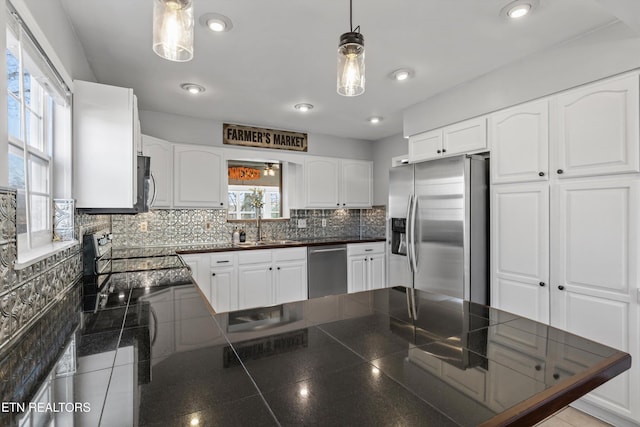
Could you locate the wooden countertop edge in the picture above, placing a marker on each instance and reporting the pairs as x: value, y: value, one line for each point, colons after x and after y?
x: 277, y: 246
x: 537, y: 408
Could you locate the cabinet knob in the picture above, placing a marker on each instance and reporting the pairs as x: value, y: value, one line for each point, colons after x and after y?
x: 213, y: 274
x: 438, y: 151
x: 444, y: 150
x: 541, y: 284
x: 540, y: 173
x: 538, y: 367
x: 278, y: 268
x: 344, y: 204
x: 337, y: 204
x: 221, y: 203
x: 556, y: 376
x: 370, y: 259
x: 560, y: 171
x: 270, y: 268
x: 561, y: 287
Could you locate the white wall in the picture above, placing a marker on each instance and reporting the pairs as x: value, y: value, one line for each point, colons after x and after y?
x: 383, y: 151
x: 191, y: 130
x: 610, y: 50
x: 56, y: 35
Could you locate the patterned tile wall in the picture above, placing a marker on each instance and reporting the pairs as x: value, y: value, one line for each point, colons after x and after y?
x: 25, y: 363
x: 27, y: 293
x: 196, y: 226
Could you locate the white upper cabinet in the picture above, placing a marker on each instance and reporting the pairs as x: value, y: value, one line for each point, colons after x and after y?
x: 200, y: 177
x: 104, y: 146
x: 519, y: 143
x: 425, y: 146
x: 597, y: 129
x: 357, y: 178
x: 322, y: 182
x: 161, y: 153
x: 335, y: 183
x: 465, y: 137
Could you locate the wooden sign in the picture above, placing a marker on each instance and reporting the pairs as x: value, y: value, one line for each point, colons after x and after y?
x: 263, y: 138
x: 241, y: 173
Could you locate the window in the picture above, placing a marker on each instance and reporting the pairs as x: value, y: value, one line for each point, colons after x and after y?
x: 33, y: 107
x: 249, y: 178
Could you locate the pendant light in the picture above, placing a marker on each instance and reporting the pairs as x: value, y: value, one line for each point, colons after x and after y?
x: 173, y: 29
x: 351, y: 60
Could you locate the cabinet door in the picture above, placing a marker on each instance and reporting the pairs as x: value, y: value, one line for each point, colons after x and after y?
x: 519, y: 142
x: 224, y: 289
x: 357, y: 273
x: 376, y: 279
x: 161, y: 170
x: 199, y: 177
x: 465, y: 137
x: 520, y: 249
x: 199, y: 264
x: 255, y: 286
x: 105, y: 155
x: 425, y: 146
x: 597, y: 129
x: 595, y: 271
x: 322, y: 177
x: 290, y: 281
x: 357, y: 183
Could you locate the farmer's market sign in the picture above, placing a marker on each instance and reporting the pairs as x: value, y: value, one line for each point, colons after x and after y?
x: 263, y: 138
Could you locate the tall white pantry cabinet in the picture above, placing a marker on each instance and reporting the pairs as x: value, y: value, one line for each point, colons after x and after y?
x: 565, y: 216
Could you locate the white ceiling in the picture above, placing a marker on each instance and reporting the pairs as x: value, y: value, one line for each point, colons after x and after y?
x: 283, y: 52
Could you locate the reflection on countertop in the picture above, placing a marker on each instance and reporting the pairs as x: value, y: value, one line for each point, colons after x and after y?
x: 154, y: 354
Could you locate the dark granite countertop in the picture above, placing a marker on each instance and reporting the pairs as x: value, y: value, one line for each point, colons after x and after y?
x: 156, y: 355
x: 318, y: 241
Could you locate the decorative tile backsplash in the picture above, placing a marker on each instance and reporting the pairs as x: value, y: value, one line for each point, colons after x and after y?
x: 63, y: 229
x: 27, y: 293
x: 196, y: 226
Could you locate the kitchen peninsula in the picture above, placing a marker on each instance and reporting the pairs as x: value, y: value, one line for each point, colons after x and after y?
x: 156, y: 354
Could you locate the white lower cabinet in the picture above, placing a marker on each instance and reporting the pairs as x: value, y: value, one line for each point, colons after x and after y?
x: 223, y: 281
x: 592, y: 240
x: 268, y: 277
x: 520, y: 249
x: 365, y: 267
x: 237, y: 280
x: 595, y: 276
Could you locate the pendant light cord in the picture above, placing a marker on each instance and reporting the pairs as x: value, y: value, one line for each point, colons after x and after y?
x: 351, y: 15
x: 357, y: 29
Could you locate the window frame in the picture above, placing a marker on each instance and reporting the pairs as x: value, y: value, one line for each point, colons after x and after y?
x: 23, y: 144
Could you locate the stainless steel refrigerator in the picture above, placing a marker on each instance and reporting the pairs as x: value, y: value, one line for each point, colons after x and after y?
x: 438, y: 227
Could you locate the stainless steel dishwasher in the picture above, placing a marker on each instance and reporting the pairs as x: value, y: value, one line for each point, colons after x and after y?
x: 327, y: 270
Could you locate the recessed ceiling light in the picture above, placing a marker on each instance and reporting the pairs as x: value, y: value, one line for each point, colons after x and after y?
x: 375, y: 120
x: 304, y: 107
x: 216, y: 22
x: 518, y: 9
x: 401, y: 74
x: 192, y: 88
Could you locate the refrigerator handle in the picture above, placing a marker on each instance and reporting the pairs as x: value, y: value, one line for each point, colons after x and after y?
x: 408, y: 232
x: 413, y: 304
x: 414, y: 254
x: 409, y: 307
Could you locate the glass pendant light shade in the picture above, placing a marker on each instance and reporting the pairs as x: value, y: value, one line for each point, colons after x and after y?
x: 173, y: 25
x: 351, y: 64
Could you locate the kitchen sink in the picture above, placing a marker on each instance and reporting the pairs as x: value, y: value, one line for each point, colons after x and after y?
x: 268, y: 243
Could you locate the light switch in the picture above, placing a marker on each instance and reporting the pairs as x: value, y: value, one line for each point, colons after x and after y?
x: 302, y: 223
